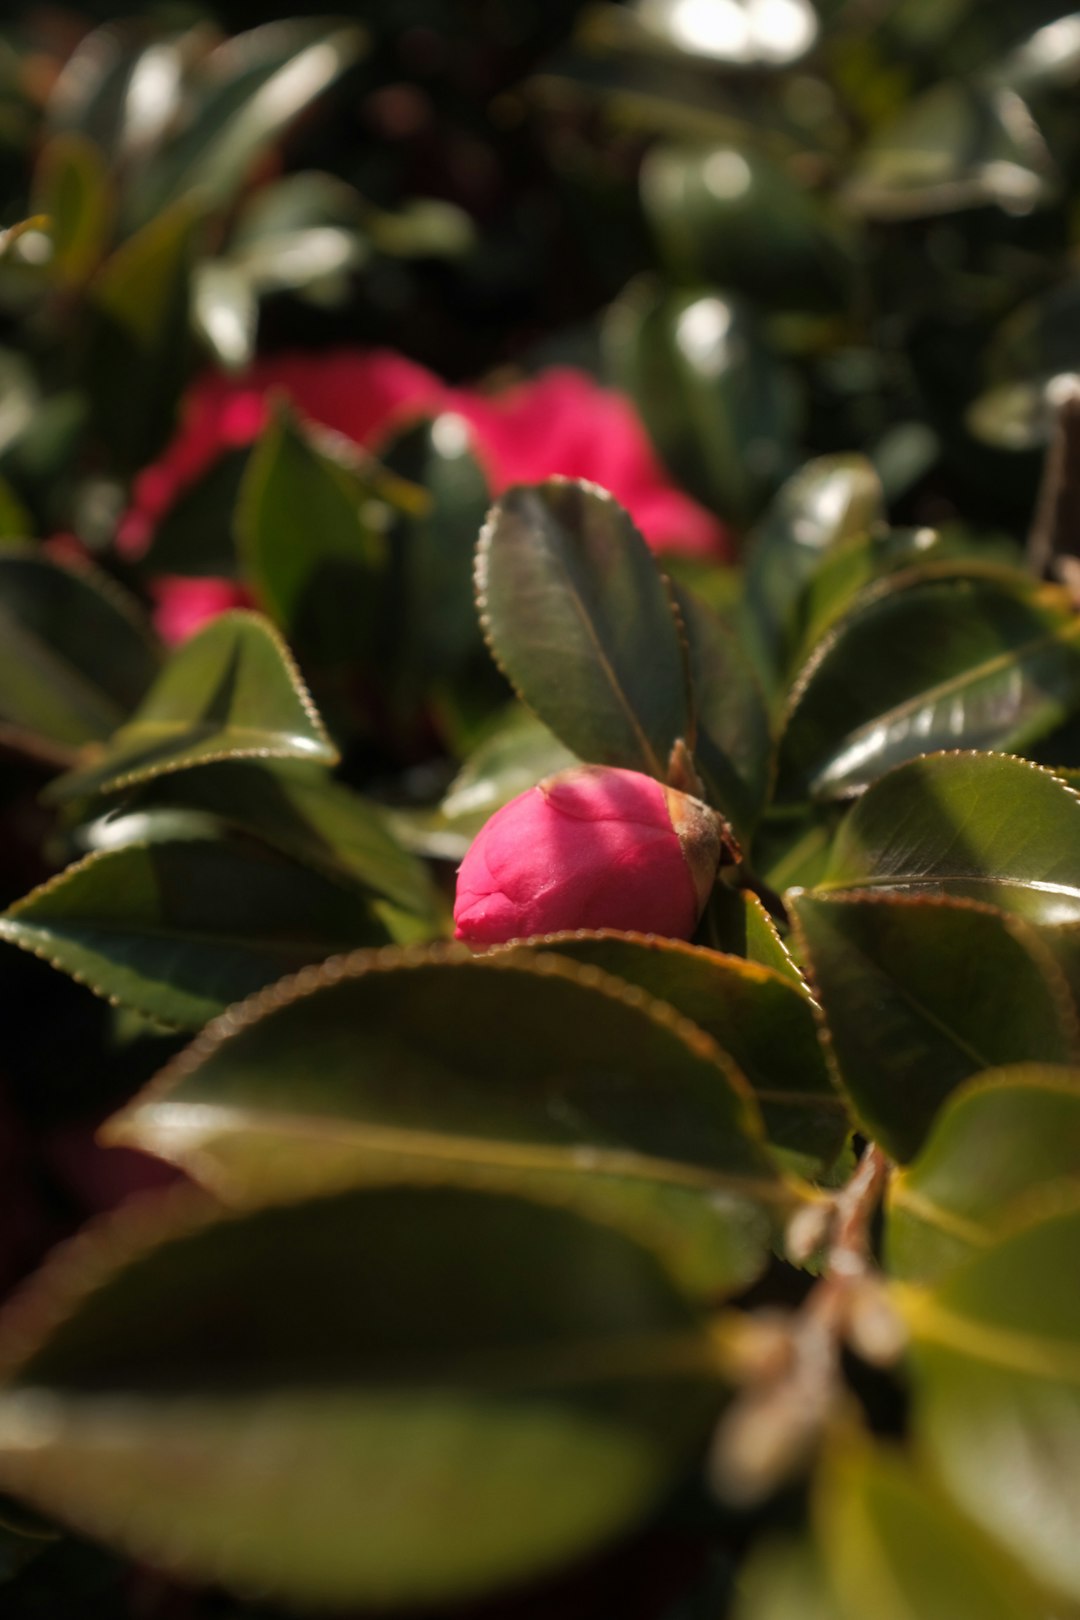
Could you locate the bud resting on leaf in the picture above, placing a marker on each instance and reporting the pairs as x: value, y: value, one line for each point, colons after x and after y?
x: 591, y: 847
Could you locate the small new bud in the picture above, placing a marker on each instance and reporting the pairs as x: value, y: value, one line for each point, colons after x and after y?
x: 591, y: 847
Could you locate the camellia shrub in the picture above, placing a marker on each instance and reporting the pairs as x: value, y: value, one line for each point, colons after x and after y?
x: 540, y: 789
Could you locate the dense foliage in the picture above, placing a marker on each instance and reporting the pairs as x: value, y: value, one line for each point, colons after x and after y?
x: 599, y: 1272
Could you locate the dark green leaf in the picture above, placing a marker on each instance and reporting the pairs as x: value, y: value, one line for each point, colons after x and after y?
x: 984, y: 826
x: 959, y: 145
x: 756, y: 1015
x: 579, y: 619
x: 997, y: 1385
x: 733, y: 744
x: 919, y: 993
x: 720, y: 408
x: 737, y: 923
x: 963, y: 662
x: 523, y: 1069
x: 311, y: 554
x: 230, y: 692
x: 251, y: 87
x: 1030, y: 366
x: 1005, y: 1142
x: 829, y: 501
x: 730, y: 217
x: 465, y: 1390
x: 303, y: 812
x: 75, y: 654
x: 434, y: 548
x: 179, y: 929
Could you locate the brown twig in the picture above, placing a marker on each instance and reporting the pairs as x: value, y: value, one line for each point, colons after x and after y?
x: 792, y: 1365
x: 1055, y: 527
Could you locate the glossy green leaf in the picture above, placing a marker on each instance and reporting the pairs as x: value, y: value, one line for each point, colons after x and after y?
x: 728, y: 216
x: 195, y: 536
x: 919, y: 993
x: 720, y: 408
x: 997, y: 1393
x: 305, y: 813
x: 72, y: 188
x: 230, y: 692
x: 310, y: 551
x: 755, y: 1014
x: 733, y: 744
x: 524, y: 1070
x: 75, y: 653
x: 178, y: 929
x: 737, y: 923
x: 891, y: 1539
x: 466, y: 1390
x: 434, y: 548
x: 225, y: 311
x: 579, y: 619
x: 960, y: 661
x: 250, y: 88
x: 959, y: 145
x: 1005, y: 1142
x: 831, y: 500
x: 984, y: 826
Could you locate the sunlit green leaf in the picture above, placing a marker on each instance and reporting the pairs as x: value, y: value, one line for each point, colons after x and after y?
x: 1002, y: 1144
x: 919, y: 993
x: 230, y: 692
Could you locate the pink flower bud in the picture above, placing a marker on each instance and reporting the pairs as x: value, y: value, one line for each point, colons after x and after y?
x: 590, y: 847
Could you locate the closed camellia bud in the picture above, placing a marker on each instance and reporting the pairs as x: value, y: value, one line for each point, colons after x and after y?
x: 591, y: 847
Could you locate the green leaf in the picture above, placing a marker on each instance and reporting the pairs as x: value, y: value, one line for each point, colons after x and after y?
x: 729, y: 217
x: 250, y: 88
x: 890, y: 1539
x: 737, y: 923
x: 984, y: 826
x: 179, y: 928
x: 465, y: 1390
x: 72, y: 188
x: 526, y: 1070
x: 828, y: 502
x: 305, y: 813
x: 719, y: 407
x: 579, y: 619
x: 755, y: 1015
x: 919, y: 993
x: 1006, y: 1142
x: 996, y: 1350
x: 959, y: 145
x: 785, y: 1581
x: 231, y: 692
x: 733, y: 746
x: 1030, y: 365
x: 744, y: 36
x: 139, y: 344
x: 311, y: 555
x: 968, y: 662
x: 75, y: 653
x: 434, y: 548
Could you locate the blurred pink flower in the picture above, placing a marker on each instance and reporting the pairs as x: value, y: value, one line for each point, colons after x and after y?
x: 560, y: 422
x: 591, y: 847
x: 183, y: 605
